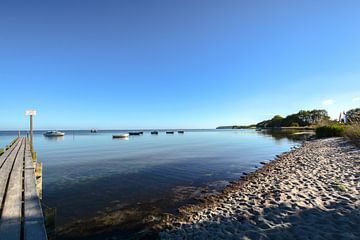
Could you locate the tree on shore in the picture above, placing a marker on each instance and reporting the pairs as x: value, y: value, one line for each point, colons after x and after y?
x: 303, y: 118
x: 353, y: 115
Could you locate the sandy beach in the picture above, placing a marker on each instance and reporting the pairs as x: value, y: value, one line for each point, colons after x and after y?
x: 312, y: 192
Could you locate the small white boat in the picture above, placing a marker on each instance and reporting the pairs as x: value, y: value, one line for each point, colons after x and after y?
x: 54, y: 134
x: 125, y: 135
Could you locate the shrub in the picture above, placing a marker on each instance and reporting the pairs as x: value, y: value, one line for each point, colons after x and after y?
x: 353, y: 115
x: 352, y: 132
x: 294, y: 124
x: 335, y: 130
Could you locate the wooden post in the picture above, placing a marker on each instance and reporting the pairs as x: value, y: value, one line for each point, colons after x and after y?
x: 31, y: 113
x: 31, y: 134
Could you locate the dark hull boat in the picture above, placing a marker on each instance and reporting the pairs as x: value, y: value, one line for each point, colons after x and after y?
x: 182, y: 132
x: 155, y: 132
x: 135, y: 133
x: 169, y: 132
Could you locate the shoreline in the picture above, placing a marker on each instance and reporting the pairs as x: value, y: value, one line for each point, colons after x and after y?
x: 311, y: 191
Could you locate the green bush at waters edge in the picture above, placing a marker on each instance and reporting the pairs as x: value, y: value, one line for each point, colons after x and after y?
x: 352, y: 132
x: 334, y: 130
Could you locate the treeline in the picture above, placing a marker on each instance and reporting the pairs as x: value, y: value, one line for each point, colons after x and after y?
x: 301, y: 119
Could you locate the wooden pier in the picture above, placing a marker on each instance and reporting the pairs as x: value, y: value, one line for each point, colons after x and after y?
x: 21, y: 214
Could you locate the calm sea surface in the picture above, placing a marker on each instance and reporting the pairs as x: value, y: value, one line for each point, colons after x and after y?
x: 86, y: 174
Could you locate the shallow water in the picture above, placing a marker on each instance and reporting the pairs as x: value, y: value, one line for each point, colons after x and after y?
x: 85, y: 174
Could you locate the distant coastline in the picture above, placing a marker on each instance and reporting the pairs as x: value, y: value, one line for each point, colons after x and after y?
x: 267, y: 128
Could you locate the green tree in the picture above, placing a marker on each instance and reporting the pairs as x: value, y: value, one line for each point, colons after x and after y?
x: 353, y: 115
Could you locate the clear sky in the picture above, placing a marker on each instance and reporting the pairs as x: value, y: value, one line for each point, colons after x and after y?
x: 175, y: 64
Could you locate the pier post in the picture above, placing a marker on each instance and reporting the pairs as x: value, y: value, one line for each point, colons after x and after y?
x: 31, y: 134
x: 31, y: 113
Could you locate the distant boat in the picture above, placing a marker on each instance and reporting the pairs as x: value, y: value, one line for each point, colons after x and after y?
x: 135, y: 133
x: 93, y: 130
x: 181, y: 131
x: 170, y: 132
x: 141, y: 132
x: 54, y: 134
x: 125, y: 135
x: 155, y: 132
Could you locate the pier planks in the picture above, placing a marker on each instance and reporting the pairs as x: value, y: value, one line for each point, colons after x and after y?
x: 21, y: 213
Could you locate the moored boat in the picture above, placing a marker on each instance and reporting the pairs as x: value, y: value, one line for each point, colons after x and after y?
x: 170, y: 132
x: 54, y: 134
x: 135, y: 133
x: 93, y: 130
x: 125, y: 135
x: 181, y: 131
x: 155, y: 132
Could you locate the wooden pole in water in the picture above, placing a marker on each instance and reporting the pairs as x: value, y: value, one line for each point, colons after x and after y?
x: 31, y: 134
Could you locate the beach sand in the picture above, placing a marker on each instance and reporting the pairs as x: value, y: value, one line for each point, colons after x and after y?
x: 312, y: 192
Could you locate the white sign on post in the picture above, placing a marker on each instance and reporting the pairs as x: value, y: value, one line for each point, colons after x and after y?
x: 30, y: 112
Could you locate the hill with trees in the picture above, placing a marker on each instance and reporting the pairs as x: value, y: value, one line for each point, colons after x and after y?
x: 304, y: 118
x: 301, y: 119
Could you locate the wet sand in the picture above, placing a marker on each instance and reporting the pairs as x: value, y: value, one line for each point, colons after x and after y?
x: 312, y: 192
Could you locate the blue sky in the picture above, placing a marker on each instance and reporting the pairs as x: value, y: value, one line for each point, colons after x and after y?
x: 175, y: 64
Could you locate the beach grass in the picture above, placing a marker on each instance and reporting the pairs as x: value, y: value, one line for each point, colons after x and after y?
x: 352, y: 133
x: 339, y: 186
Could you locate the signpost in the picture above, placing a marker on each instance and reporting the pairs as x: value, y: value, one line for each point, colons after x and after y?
x: 31, y: 113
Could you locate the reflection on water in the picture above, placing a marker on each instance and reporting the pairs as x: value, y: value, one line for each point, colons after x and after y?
x: 111, y: 185
x: 121, y: 139
x: 294, y: 135
x: 55, y: 138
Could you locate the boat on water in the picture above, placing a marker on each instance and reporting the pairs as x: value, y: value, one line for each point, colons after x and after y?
x: 54, y: 134
x: 169, y: 132
x: 155, y: 132
x: 182, y: 132
x: 135, y: 133
x: 93, y: 131
x: 125, y: 135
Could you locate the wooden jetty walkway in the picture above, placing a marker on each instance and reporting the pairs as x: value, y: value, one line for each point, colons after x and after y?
x: 21, y: 214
